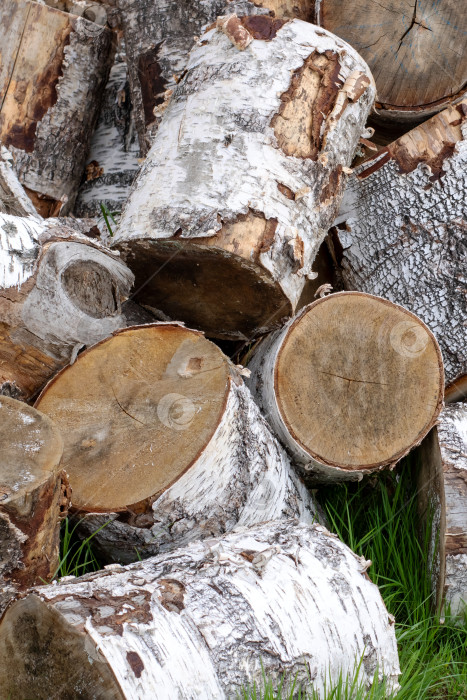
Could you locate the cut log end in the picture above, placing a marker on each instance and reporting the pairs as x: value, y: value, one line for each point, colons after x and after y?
x: 225, y: 294
x: 373, y: 385
x: 159, y: 391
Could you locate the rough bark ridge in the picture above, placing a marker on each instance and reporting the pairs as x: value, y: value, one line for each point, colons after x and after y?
x: 159, y: 36
x: 112, y: 162
x: 349, y: 385
x: 401, y: 232
x: 13, y: 198
x: 410, y: 48
x: 221, y: 185
x: 442, y: 483
x: 59, y: 291
x: 47, y: 114
x: 205, y: 621
x: 34, y: 495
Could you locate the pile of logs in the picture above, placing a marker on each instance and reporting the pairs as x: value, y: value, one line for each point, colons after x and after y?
x: 232, y: 269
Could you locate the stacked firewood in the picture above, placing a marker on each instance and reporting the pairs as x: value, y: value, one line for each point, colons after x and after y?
x: 232, y: 269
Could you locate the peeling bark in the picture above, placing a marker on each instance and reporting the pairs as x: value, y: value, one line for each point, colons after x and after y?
x: 55, y: 66
x: 208, y: 230
x: 206, y: 621
x: 349, y: 386
x: 34, y: 495
x: 441, y: 472
x: 409, y: 47
x: 401, y: 232
x: 59, y: 291
x: 175, y: 450
x: 159, y: 37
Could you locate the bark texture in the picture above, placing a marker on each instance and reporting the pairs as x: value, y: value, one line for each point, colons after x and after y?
x: 232, y: 203
x: 112, y: 162
x: 13, y: 198
x: 159, y: 36
x: 54, y: 68
x: 34, y: 495
x: 205, y: 621
x: 442, y: 485
x: 59, y: 291
x: 166, y: 442
x: 349, y: 386
x: 410, y: 48
x: 401, y: 232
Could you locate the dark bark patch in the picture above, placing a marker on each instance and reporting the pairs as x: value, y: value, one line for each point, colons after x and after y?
x: 374, y: 165
x: 268, y: 235
x: 332, y: 187
x: 135, y: 662
x: 152, y: 82
x: 172, y: 594
x: 407, y: 162
x: 262, y: 27
x: 286, y: 191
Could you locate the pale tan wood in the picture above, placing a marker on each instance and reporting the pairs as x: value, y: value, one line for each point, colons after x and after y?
x: 413, y: 47
x: 33, y: 496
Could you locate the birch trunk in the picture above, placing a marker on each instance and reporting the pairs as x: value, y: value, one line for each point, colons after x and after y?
x: 442, y: 486
x: 410, y: 245
x: 54, y: 68
x: 59, y: 291
x: 159, y: 36
x: 409, y: 48
x: 34, y: 496
x: 230, y: 207
x: 13, y: 198
x: 164, y: 441
x: 349, y: 386
x: 205, y: 621
x: 112, y: 162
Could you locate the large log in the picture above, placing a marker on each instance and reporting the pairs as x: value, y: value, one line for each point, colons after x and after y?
x: 34, y: 495
x: 401, y: 232
x: 205, y: 622
x: 349, y: 386
x: 411, y: 48
x: 159, y: 36
x: 112, y: 162
x: 232, y: 203
x: 54, y: 66
x: 164, y: 440
x: 441, y: 470
x: 59, y: 291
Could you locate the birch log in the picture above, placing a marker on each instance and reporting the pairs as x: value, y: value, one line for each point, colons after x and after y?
x: 244, y: 177
x: 410, y: 48
x: 53, y: 68
x: 349, y: 386
x: 442, y: 488
x: 112, y: 162
x: 59, y: 291
x: 205, y: 621
x: 401, y: 232
x: 159, y: 36
x: 34, y: 494
x: 163, y: 439
x: 13, y: 198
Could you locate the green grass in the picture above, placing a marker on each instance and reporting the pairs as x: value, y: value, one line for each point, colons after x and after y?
x: 77, y: 557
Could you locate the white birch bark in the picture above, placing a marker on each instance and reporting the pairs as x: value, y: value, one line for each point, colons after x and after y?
x: 59, y: 291
x: 242, y: 477
x: 401, y: 232
x: 206, y: 621
x: 442, y: 483
x: 51, y: 89
x: 13, y: 198
x: 112, y: 162
x: 225, y: 160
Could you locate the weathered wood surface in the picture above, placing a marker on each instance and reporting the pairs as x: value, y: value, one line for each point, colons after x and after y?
x: 349, y: 386
x: 159, y: 36
x: 112, y: 162
x: 442, y: 488
x: 204, y: 621
x: 401, y: 231
x: 13, y: 198
x: 163, y: 439
x: 54, y: 66
x: 412, y: 47
x: 34, y: 495
x: 59, y: 291
x: 245, y: 175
